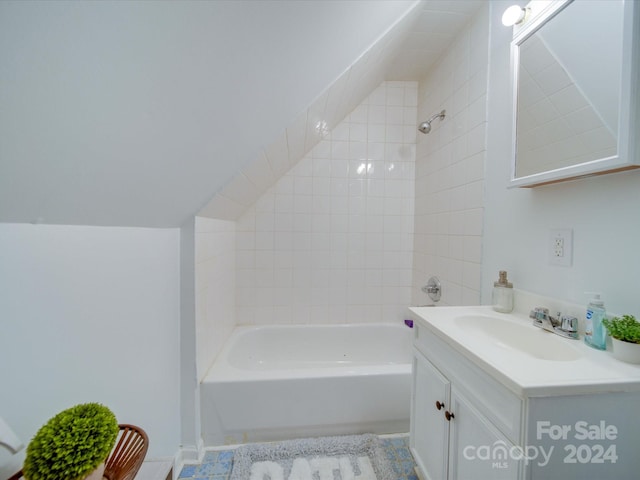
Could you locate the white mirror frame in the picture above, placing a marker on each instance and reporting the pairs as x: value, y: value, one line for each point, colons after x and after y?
x: 628, y: 151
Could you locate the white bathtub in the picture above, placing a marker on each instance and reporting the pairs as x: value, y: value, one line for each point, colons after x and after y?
x: 278, y: 382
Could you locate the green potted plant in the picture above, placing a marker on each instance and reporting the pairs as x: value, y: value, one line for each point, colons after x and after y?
x: 72, y: 445
x: 625, y: 335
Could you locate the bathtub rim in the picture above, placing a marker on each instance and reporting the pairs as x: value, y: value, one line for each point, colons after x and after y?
x: 222, y: 371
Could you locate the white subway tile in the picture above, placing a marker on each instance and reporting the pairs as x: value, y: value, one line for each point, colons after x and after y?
x: 357, y: 206
x: 476, y: 141
x: 395, y: 95
x: 474, y: 194
x: 477, y: 111
x: 302, y: 241
x: 376, y: 115
x: 264, y: 240
x: 478, y: 83
x: 303, y: 204
x: 358, y: 151
x: 340, y: 168
x: 339, y: 187
x: 357, y: 132
x: 473, y: 221
x: 283, y: 203
x: 339, y: 150
x: 394, y: 115
x: 394, y: 133
x: 375, y: 133
x: 265, y: 221
x: 302, y: 186
x: 321, y: 204
x: 339, y: 224
x: 321, y: 167
x: 321, y: 185
x: 376, y: 151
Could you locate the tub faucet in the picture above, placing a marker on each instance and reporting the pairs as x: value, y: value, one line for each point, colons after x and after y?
x: 563, y: 325
x: 433, y: 288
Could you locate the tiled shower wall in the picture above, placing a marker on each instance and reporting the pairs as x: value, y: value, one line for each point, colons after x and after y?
x: 450, y: 170
x: 332, y: 240
x: 214, y: 285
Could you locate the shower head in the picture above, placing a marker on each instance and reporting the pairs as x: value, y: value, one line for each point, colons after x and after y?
x: 425, y: 127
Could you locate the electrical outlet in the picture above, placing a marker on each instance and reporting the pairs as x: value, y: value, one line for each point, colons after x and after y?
x: 561, y: 247
x: 558, y: 247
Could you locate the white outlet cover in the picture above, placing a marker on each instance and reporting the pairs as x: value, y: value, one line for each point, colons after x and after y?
x: 562, y: 257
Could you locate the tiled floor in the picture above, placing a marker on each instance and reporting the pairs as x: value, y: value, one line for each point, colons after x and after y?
x: 217, y: 465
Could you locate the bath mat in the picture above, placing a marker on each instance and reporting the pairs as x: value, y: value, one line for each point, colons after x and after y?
x: 348, y: 457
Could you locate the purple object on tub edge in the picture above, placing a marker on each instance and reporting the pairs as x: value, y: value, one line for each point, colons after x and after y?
x: 409, y: 323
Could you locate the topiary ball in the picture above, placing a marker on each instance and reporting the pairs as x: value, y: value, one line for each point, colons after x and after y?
x: 72, y: 444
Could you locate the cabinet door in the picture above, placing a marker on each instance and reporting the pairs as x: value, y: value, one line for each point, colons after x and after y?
x: 429, y: 429
x: 477, y: 449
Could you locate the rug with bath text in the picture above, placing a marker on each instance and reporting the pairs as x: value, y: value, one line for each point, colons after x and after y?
x: 347, y: 457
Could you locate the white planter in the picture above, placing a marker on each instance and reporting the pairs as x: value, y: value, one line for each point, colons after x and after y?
x: 626, y: 351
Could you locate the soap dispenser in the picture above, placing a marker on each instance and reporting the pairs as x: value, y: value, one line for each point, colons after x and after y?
x: 502, y: 298
x: 595, y: 334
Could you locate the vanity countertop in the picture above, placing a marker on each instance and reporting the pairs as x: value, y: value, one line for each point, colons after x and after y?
x: 589, y: 370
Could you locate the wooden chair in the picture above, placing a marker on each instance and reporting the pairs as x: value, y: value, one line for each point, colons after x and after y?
x: 126, y: 457
x: 16, y: 476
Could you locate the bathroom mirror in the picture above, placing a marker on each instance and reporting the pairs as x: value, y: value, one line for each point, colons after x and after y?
x: 576, y: 95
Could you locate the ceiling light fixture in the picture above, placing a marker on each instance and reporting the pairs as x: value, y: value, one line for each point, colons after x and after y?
x: 514, y: 15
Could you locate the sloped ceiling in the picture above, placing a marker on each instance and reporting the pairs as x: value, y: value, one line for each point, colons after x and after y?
x: 137, y: 113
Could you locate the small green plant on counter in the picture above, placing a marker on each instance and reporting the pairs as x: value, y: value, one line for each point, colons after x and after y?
x: 626, y: 329
x: 72, y: 444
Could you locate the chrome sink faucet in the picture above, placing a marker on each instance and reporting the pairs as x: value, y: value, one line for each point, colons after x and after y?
x: 563, y: 325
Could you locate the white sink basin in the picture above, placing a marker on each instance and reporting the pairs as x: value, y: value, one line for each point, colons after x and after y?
x: 524, y: 338
x: 528, y: 360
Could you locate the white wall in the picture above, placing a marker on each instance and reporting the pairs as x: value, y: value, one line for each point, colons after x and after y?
x: 602, y: 211
x: 215, y: 272
x: 450, y: 170
x: 90, y: 314
x: 331, y: 241
x: 179, y: 95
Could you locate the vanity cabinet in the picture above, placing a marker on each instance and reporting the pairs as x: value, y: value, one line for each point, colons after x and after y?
x: 451, y: 433
x: 466, y: 424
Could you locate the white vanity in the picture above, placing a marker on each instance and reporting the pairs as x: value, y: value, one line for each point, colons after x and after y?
x: 496, y: 398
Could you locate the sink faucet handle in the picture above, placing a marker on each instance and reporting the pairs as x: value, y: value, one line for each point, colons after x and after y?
x: 539, y: 313
x: 569, y: 323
